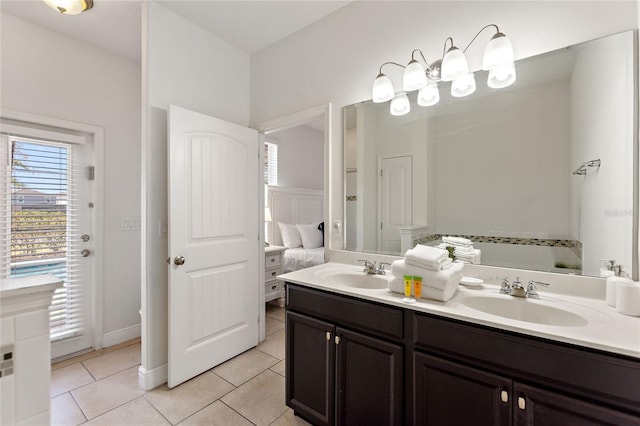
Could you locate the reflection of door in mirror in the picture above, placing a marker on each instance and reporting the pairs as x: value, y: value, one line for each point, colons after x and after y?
x: 396, y: 188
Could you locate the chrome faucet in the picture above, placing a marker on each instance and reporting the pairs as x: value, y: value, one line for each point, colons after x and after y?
x: 532, y: 292
x: 505, y: 288
x: 371, y: 269
x: 516, y: 289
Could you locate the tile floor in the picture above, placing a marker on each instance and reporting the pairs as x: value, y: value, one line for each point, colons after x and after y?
x: 101, y: 388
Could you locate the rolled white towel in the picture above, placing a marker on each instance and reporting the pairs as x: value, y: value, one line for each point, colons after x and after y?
x: 396, y: 285
x: 457, y: 241
x: 436, y: 279
x: 427, y: 257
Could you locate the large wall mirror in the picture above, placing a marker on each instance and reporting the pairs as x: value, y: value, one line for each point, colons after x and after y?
x: 540, y: 175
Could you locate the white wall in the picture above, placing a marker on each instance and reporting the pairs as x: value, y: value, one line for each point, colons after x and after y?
x: 46, y: 73
x: 300, y: 157
x: 511, y: 180
x: 187, y: 66
x: 341, y: 54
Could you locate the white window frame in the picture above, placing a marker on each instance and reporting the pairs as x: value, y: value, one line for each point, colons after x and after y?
x: 31, y: 125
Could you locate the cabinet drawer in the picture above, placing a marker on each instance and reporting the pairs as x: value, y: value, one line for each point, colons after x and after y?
x: 271, y: 260
x: 273, y: 287
x: 271, y: 274
x: 366, y: 316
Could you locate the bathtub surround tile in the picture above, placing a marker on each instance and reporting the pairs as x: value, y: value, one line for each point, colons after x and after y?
x: 182, y: 401
x: 261, y: 399
x: 437, y: 238
x: 68, y: 378
x: 216, y: 414
x: 65, y: 411
x: 99, y: 397
x: 274, y: 345
x: 137, y: 412
x: 245, y: 366
x: 113, y: 362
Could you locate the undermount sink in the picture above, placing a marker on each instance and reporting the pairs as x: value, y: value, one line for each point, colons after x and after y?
x: 525, y: 310
x: 358, y: 280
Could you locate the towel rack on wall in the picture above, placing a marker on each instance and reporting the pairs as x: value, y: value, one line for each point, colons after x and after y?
x: 584, y: 167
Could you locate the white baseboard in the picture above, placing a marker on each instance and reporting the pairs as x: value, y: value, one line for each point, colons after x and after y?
x: 149, y: 379
x: 114, y: 337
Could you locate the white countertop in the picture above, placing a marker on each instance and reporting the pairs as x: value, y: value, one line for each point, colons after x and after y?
x: 604, y: 328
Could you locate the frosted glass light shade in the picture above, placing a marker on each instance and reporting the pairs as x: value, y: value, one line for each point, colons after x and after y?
x: 502, y: 76
x: 454, y: 64
x: 382, y: 89
x: 414, y: 76
x: 498, y: 51
x: 429, y: 95
x: 463, y: 85
x: 400, y: 105
x: 70, y: 7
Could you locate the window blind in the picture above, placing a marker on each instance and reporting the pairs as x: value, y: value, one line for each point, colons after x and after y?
x: 270, y: 164
x: 40, y: 224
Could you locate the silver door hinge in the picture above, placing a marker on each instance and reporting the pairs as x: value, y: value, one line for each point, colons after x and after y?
x: 91, y: 172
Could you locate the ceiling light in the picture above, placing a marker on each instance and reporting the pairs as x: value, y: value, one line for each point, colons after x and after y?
x: 498, y: 59
x: 70, y: 7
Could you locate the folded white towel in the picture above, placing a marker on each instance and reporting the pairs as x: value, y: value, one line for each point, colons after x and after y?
x: 457, y: 241
x: 397, y: 286
x: 428, y: 257
x: 473, y: 258
x: 436, y: 279
x: 457, y: 249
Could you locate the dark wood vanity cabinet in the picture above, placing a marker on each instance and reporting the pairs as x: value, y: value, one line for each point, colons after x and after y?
x: 448, y: 393
x: 353, y: 362
x: 339, y: 375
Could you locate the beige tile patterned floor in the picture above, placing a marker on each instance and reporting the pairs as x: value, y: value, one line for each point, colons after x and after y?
x: 101, y: 388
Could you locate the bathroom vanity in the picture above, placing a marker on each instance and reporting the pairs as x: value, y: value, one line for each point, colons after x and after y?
x: 356, y: 354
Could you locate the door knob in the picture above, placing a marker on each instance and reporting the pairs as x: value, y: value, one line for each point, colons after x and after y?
x: 85, y: 252
x: 179, y: 260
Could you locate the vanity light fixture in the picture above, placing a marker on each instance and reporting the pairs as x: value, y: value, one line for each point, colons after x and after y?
x: 70, y: 7
x: 498, y: 60
x: 400, y: 105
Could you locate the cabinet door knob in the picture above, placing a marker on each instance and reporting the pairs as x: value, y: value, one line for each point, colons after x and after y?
x: 328, y: 335
x: 521, y: 403
x: 504, y: 396
x: 337, y: 340
x: 274, y: 273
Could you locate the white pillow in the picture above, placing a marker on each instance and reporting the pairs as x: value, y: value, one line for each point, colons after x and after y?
x: 290, y: 235
x: 311, y: 236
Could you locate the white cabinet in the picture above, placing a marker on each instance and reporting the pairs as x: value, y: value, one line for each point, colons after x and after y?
x: 25, y: 347
x: 273, y: 289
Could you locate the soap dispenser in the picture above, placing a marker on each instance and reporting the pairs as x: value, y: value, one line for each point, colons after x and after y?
x: 620, y: 276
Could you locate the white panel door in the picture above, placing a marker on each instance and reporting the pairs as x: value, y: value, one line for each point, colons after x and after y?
x: 395, y: 201
x: 214, y: 247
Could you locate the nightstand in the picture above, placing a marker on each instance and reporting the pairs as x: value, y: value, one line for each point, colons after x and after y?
x: 273, y: 289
